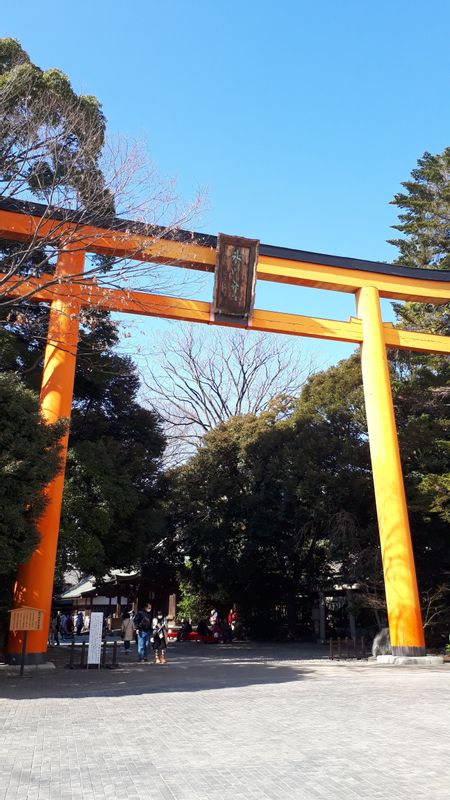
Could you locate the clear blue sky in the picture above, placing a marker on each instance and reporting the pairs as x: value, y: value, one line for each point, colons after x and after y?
x: 301, y: 119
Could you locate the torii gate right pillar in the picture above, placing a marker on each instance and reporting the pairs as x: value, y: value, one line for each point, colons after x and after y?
x: 402, y: 596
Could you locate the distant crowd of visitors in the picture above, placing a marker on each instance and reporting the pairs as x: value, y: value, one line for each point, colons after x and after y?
x: 142, y: 627
x: 221, y: 628
x: 66, y: 625
x: 148, y: 631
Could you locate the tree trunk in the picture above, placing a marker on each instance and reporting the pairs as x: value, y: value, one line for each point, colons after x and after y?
x: 376, y: 614
x: 291, y: 606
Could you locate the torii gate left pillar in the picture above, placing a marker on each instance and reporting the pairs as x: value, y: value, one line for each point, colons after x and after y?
x: 34, y: 584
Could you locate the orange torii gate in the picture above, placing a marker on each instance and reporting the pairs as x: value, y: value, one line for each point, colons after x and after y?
x: 237, y: 264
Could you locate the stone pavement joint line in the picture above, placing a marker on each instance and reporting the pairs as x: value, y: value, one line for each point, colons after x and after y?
x: 239, y: 722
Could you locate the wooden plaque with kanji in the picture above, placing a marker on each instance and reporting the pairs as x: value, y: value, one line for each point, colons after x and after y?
x: 235, y: 277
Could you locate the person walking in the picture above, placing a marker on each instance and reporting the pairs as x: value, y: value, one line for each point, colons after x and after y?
x: 53, y: 634
x: 69, y: 626
x: 79, y: 622
x: 57, y: 627
x: 63, y: 626
x: 160, y: 638
x: 232, y: 618
x: 213, y: 617
x: 127, y: 632
x: 143, y: 625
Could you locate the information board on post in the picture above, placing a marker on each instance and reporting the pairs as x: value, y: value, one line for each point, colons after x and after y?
x: 26, y: 619
x: 22, y: 620
x: 95, y: 638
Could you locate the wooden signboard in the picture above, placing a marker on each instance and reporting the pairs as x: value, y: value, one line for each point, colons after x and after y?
x: 26, y: 619
x: 235, y: 278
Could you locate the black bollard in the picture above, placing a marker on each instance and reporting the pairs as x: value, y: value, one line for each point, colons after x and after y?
x: 24, y: 651
x: 114, y: 655
x: 72, y: 654
x: 103, y: 662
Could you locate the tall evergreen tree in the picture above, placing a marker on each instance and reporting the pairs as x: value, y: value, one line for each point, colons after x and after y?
x: 424, y: 222
x: 422, y: 381
x: 110, y: 506
x: 51, y: 143
x: 110, y: 511
x: 29, y: 457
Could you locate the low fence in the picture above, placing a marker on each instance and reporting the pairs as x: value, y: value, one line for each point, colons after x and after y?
x: 349, y: 648
x: 78, y: 656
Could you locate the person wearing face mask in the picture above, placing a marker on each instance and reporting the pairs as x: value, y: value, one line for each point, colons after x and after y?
x: 143, y: 625
x: 159, y: 638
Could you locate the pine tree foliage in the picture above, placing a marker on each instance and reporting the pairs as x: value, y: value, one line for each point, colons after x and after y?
x: 424, y: 222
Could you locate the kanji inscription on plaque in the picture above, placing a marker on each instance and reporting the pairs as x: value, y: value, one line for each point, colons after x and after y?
x: 235, y: 277
x: 26, y: 619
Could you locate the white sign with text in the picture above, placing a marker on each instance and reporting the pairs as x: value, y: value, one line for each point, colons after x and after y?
x: 95, y: 637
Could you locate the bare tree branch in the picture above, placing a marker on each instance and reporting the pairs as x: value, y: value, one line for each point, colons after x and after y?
x: 206, y: 376
x: 53, y: 151
x: 435, y: 606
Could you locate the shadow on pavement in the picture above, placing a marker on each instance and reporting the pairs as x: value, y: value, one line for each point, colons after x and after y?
x: 190, y: 668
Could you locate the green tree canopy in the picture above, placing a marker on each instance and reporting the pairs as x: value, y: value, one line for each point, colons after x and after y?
x: 255, y: 509
x: 51, y: 137
x: 424, y: 222
x: 422, y: 381
x: 51, y: 151
x: 110, y: 511
x: 110, y: 506
x: 29, y: 457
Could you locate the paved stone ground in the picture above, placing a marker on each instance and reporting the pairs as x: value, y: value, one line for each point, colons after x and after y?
x: 238, y: 722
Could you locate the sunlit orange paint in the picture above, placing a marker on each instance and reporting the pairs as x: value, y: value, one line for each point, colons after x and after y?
x: 15, y: 225
x: 35, y: 579
x: 88, y: 293
x: 34, y: 584
x: 339, y: 279
x: 402, y: 596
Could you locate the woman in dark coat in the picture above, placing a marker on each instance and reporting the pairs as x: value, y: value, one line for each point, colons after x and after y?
x: 159, y: 638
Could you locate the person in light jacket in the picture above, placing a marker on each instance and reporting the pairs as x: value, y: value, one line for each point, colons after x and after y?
x: 127, y: 632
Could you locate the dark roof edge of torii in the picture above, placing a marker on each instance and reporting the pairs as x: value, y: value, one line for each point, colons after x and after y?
x: 207, y: 240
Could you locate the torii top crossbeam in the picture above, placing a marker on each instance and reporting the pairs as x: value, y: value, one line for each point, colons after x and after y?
x: 124, y: 238
x: 68, y: 290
